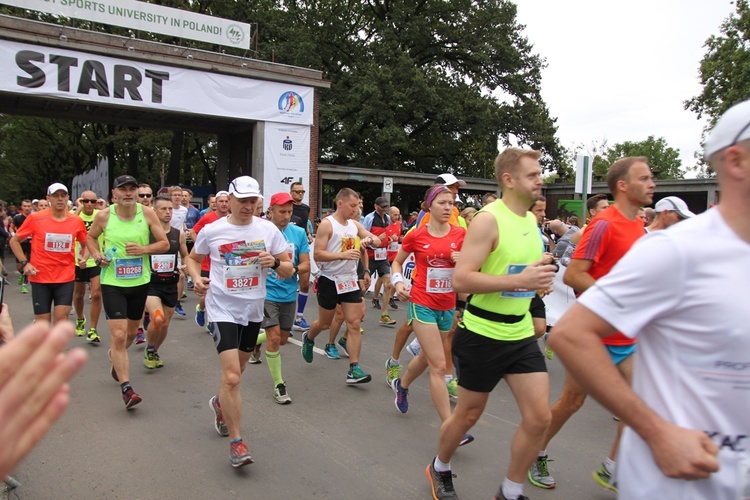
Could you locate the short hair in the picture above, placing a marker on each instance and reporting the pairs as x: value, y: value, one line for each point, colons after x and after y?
x: 649, y: 213
x: 487, y: 196
x: 573, y: 220
x: 507, y: 161
x: 620, y: 169
x: 592, y: 202
x: 162, y: 197
x: 539, y: 198
x: 468, y: 211
x: 189, y: 191
x: 295, y: 183
x: 26, y: 201
x: 345, y: 194
x: 173, y: 189
x: 144, y: 185
x: 212, y: 195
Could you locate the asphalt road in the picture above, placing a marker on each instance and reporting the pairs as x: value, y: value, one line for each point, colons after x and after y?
x: 334, y: 441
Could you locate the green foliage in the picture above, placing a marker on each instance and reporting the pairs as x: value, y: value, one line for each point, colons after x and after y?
x: 664, y: 161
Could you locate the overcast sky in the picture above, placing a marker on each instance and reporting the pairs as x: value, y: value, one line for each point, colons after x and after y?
x: 621, y: 70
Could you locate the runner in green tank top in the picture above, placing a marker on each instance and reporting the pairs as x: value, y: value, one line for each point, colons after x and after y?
x: 125, y: 277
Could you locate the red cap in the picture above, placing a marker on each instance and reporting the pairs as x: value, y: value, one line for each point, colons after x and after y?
x: 281, y: 199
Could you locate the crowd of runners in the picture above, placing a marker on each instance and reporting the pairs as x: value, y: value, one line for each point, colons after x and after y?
x: 663, y: 285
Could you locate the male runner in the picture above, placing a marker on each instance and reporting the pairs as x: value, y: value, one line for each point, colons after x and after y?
x: 669, y: 211
x: 145, y: 198
x: 300, y: 218
x: 87, y: 272
x: 501, y: 265
x: 377, y: 223
x: 336, y: 252
x: 241, y: 247
x: 162, y: 291
x: 127, y: 227
x: 17, y: 222
x: 281, y: 296
x: 605, y: 240
x: 51, y: 265
x: 179, y: 215
x: 681, y: 292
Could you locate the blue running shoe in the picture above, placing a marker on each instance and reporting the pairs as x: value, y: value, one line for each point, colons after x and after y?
x: 402, y: 395
x: 200, y: 316
x: 342, y: 347
x: 301, y: 324
x: 331, y: 351
x: 179, y: 310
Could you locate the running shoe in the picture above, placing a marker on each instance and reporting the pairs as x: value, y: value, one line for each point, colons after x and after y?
x: 280, y: 395
x: 179, y: 310
x: 468, y: 438
x: 357, y: 376
x: 184, y: 296
x: 392, y: 304
x: 547, y: 350
x: 392, y: 372
x: 604, y: 478
x: 255, y: 356
x: 189, y: 283
x: 81, y: 327
x: 112, y: 367
x: 300, y: 324
x: 452, y: 386
x: 139, y: 337
x: 93, y: 336
x: 386, y: 320
x: 146, y: 320
x: 24, y: 289
x: 219, y: 424
x: 5, y: 281
x: 331, y: 351
x: 209, y: 328
x: 441, y: 483
x: 148, y: 359
x: 414, y: 347
x: 158, y: 363
x: 239, y: 455
x: 200, y: 316
x: 130, y: 398
x: 539, y: 474
x: 402, y: 396
x: 376, y: 304
x: 501, y: 496
x: 307, y: 348
x: 342, y: 347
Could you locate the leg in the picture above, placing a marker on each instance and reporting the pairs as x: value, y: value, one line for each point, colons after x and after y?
x: 79, y: 291
x: 96, y: 302
x: 402, y: 335
x: 353, y: 316
x: 570, y: 401
x: 338, y: 320
x: 626, y: 370
x: 61, y: 313
x: 325, y: 317
x: 232, y: 362
x: 118, y: 350
x: 467, y: 412
x: 433, y: 355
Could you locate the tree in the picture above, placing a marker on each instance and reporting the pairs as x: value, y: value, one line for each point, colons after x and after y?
x: 664, y: 161
x: 724, y: 70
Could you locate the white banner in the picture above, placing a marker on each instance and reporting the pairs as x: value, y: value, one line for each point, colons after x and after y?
x: 144, y: 16
x: 286, y: 159
x: 59, y: 73
x: 96, y: 180
x: 580, y: 159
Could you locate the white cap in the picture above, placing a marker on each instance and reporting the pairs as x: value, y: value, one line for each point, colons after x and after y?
x: 222, y: 193
x: 53, y: 188
x: 674, y: 204
x: 448, y: 180
x: 732, y: 127
x: 244, y: 187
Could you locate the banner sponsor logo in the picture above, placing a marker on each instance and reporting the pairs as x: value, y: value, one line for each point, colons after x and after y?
x: 291, y: 103
x: 286, y: 156
x: 287, y: 144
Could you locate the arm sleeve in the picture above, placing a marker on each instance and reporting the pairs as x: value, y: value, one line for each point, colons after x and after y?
x: 594, y: 238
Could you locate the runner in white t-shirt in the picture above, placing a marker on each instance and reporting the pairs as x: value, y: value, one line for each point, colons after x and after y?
x: 681, y: 291
x: 241, y: 248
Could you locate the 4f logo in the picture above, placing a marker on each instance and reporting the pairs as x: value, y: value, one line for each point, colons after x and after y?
x: 287, y: 180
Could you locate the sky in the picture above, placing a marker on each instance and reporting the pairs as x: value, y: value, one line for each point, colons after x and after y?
x: 621, y: 71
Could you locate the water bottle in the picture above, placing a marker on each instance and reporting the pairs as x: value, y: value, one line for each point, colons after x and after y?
x: 109, y: 254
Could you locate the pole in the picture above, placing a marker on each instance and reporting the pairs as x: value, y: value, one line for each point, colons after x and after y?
x: 584, y: 194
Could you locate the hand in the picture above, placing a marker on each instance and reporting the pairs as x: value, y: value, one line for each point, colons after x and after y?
x: 200, y: 286
x: 366, y: 241
x: 134, y: 249
x: 33, y: 387
x: 82, y: 263
x: 684, y: 453
x: 367, y: 280
x: 454, y: 256
x: 266, y: 260
x: 402, y: 292
x: 30, y: 270
x: 545, y: 292
x: 350, y: 255
x: 537, y: 276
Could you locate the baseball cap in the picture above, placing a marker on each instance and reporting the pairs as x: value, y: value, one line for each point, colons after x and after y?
x: 281, y: 199
x: 732, y: 127
x: 449, y: 180
x: 57, y: 186
x: 674, y: 204
x: 244, y: 187
x: 124, y: 180
x: 414, y: 213
x: 382, y: 201
x: 222, y: 193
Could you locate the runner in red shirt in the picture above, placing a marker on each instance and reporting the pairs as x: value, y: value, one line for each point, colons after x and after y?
x: 52, y: 263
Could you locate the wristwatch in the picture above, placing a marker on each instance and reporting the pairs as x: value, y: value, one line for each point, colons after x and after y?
x: 23, y: 263
x: 276, y: 263
x: 296, y: 269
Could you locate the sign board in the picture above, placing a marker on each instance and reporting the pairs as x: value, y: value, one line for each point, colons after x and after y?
x: 144, y: 16
x: 387, y: 184
x: 286, y: 158
x: 584, y: 175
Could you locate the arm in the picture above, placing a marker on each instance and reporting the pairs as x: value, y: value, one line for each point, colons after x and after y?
x: 92, y: 238
x: 183, y: 253
x: 325, y: 230
x: 480, y: 240
x: 397, y: 277
x: 577, y: 275
x: 193, y: 263
x: 304, y: 264
x: 161, y: 244
x: 366, y: 237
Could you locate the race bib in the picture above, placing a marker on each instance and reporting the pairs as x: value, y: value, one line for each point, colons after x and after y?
x: 290, y: 251
x: 58, y: 242
x: 439, y: 280
x: 518, y: 293
x: 743, y: 479
x: 346, y: 284
x: 393, y: 246
x: 380, y: 253
x: 240, y: 279
x: 163, y: 263
x: 129, y: 269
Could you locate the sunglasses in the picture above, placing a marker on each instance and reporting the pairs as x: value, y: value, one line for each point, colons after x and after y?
x: 145, y: 195
x: 88, y: 201
x: 299, y: 191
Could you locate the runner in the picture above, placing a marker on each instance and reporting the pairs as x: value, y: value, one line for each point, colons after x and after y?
x: 87, y: 272
x: 681, y: 292
x: 179, y: 215
x: 51, y: 266
x: 145, y: 198
x: 281, y: 297
x: 432, y: 301
x: 377, y: 223
x: 17, y: 222
x: 127, y: 227
x: 241, y: 247
x: 162, y: 291
x: 300, y: 218
x: 337, y: 249
x: 501, y: 265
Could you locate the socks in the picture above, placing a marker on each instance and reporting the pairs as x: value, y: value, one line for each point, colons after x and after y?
x: 512, y: 490
x: 440, y: 466
x: 542, y: 454
x: 273, y: 359
x: 609, y: 465
x: 301, y: 303
x: 150, y: 348
x: 125, y: 386
x: 261, y: 339
x: 448, y: 378
x: 393, y: 362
